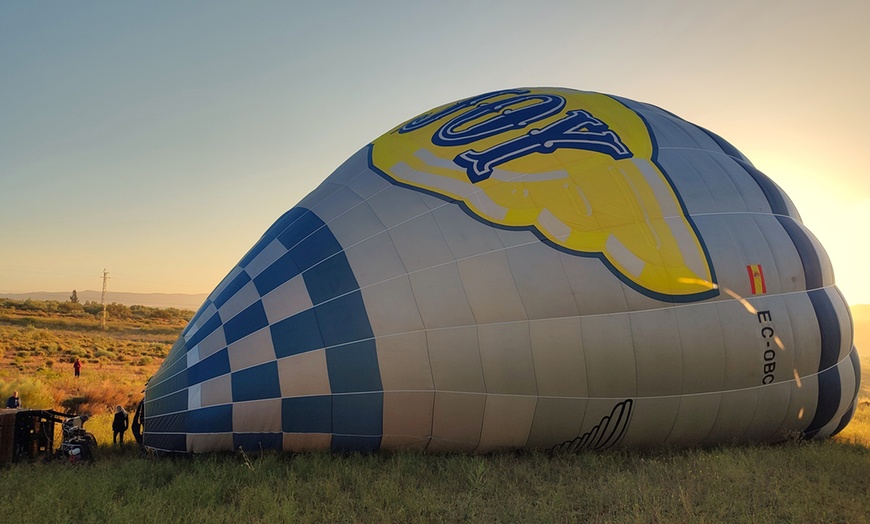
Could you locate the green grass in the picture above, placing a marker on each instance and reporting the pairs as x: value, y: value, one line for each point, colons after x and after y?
x: 796, y: 482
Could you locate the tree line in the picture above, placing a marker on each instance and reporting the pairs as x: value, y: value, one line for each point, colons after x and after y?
x: 95, y: 309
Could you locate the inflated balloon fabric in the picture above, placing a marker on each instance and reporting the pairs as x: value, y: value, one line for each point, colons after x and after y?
x: 528, y: 268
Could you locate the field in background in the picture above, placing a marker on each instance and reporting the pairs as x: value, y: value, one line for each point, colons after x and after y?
x: 825, y: 481
x: 40, y: 340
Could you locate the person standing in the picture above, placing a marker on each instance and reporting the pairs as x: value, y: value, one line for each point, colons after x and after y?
x: 13, y: 402
x: 77, y: 366
x: 119, y: 425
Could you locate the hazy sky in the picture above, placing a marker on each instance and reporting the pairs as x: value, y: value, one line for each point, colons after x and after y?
x: 159, y: 140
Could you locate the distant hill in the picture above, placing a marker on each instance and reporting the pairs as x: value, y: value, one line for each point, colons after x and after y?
x: 164, y: 300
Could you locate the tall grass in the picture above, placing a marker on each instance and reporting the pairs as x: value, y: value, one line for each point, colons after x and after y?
x: 795, y: 482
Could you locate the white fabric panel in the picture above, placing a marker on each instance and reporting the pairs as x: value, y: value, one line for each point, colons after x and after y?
x: 336, y: 204
x: 736, y: 412
x: 351, y: 168
x: 368, y: 184
x: 286, y: 300
x: 258, y: 416
x: 657, y: 352
x: 557, y: 420
x: 391, y: 307
x: 464, y: 235
x: 304, y: 374
x: 455, y: 359
x: 507, y: 421
x: 541, y: 282
x: 559, y: 360
x: 375, y: 260
x: 265, y: 258
x: 695, y: 418
x: 420, y: 243
x: 703, y: 347
x: 441, y: 297
x: 211, y: 344
x: 395, y: 205
x: 237, y: 303
x: 490, y: 289
x: 595, y: 289
x: 651, y: 421
x: 803, y: 339
x: 506, y: 358
x: 326, y: 188
x: 403, y: 361
x: 771, y: 410
x: 609, y: 351
x: 251, y: 350
x: 356, y: 225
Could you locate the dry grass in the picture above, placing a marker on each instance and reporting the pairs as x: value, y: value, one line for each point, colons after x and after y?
x: 37, y: 351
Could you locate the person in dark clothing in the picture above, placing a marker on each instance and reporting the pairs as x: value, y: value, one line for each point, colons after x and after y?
x: 119, y: 425
x: 77, y: 366
x: 13, y: 402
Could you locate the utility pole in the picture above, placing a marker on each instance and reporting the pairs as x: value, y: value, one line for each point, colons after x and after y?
x: 103, y: 300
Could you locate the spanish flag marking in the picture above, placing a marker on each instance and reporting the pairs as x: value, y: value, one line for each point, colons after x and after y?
x: 756, y: 279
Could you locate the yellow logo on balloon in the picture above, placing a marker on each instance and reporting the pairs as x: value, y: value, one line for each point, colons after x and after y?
x: 576, y: 168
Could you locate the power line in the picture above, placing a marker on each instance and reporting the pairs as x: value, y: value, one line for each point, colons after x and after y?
x: 105, y: 285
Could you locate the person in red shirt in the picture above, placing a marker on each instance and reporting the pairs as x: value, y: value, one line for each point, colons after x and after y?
x: 77, y: 366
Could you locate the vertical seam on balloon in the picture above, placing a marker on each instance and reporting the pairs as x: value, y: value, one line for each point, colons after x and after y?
x: 828, y: 401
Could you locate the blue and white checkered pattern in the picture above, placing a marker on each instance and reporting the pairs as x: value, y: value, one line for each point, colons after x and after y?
x: 292, y: 299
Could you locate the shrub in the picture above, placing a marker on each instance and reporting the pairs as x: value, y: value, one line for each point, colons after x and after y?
x: 33, y: 393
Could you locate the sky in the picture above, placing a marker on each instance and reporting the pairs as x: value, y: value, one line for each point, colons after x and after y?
x: 159, y: 140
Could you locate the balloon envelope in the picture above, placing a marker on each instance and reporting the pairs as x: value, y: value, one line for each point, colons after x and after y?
x: 528, y: 268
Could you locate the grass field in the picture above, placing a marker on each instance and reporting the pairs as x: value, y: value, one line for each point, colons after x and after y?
x: 825, y: 481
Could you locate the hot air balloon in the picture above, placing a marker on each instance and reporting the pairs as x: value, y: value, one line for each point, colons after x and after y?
x: 538, y: 268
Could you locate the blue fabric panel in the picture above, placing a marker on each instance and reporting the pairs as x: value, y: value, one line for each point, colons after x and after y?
x: 856, y: 367
x: 284, y: 221
x: 205, y: 330
x: 179, y: 349
x: 199, y: 313
x: 274, y: 230
x: 356, y: 444
x: 360, y: 414
x: 846, y: 418
x: 829, y: 401
x: 214, y: 419
x: 329, y: 279
x: 307, y: 414
x: 343, y: 320
x: 170, y: 385
x: 771, y: 192
x: 252, y: 319
x: 256, y: 383
x: 806, y: 251
x: 168, y: 369
x: 169, y: 404
x: 723, y: 144
x: 316, y: 248
x: 166, y: 441
x: 213, y: 366
x: 301, y: 228
x: 174, y: 423
x: 232, y: 288
x: 296, y: 334
x: 258, y: 441
x: 353, y: 367
x: 279, y: 272
x: 829, y: 328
